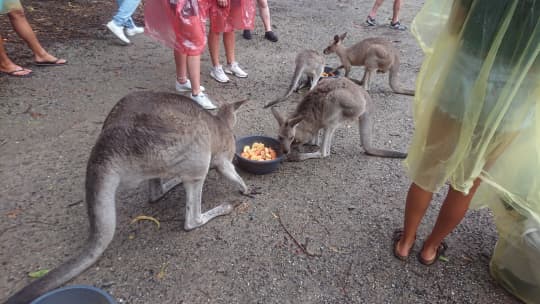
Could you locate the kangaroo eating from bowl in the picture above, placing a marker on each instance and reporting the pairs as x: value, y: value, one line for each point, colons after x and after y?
x: 375, y: 54
x: 155, y: 137
x: 333, y: 102
x: 309, y: 66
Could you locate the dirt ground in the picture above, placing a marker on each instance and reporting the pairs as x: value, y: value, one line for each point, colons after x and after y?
x: 344, y: 207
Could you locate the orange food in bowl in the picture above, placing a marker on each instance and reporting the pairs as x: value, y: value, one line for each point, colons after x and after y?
x: 258, y: 151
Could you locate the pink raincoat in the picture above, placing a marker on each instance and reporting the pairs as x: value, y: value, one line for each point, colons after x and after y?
x: 180, y: 26
x: 238, y: 15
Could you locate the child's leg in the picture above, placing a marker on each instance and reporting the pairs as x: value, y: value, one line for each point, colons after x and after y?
x: 416, y: 205
x: 180, y: 61
x: 194, y: 71
x: 213, y: 47
x: 453, y: 210
x: 229, y: 42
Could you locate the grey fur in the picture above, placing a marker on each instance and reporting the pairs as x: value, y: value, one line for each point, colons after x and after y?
x: 377, y: 55
x: 162, y: 138
x: 333, y: 102
x: 309, y: 66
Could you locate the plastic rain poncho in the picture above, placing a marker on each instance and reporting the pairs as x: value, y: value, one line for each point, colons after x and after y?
x: 178, y: 24
x: 476, y: 115
x: 238, y: 15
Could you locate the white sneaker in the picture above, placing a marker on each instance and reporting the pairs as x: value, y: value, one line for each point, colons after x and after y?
x: 235, y: 69
x: 134, y: 31
x: 118, y: 31
x: 218, y: 74
x: 203, y: 101
x: 185, y: 87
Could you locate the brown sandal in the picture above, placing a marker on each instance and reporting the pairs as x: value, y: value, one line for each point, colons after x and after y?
x: 440, y: 251
x: 398, y: 234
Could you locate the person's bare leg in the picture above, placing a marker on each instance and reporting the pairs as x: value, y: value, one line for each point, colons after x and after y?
x: 374, y: 9
x: 264, y: 11
x: 6, y: 65
x: 194, y: 72
x: 213, y: 47
x: 24, y: 30
x: 453, y: 210
x: 228, y: 41
x: 417, y: 202
x: 395, y: 15
x: 180, y: 61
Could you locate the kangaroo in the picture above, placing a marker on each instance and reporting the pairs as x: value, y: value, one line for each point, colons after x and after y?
x: 309, y: 68
x: 332, y: 103
x: 154, y: 137
x: 375, y: 54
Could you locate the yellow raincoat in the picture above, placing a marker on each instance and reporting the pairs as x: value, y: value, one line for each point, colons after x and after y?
x: 476, y: 115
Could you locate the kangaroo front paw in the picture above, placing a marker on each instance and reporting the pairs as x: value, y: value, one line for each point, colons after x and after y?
x: 251, y: 192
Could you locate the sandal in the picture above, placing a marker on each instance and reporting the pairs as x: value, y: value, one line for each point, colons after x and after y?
x: 440, y: 251
x: 398, y: 234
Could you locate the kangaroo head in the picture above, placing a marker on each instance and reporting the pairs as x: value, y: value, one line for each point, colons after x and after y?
x: 334, y: 44
x: 287, y: 130
x: 227, y: 113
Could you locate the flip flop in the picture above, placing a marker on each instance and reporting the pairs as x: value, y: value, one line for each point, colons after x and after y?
x: 50, y: 63
x: 398, y: 234
x: 14, y: 73
x: 440, y: 251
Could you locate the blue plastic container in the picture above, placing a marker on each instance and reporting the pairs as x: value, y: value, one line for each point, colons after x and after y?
x: 258, y: 166
x: 75, y: 294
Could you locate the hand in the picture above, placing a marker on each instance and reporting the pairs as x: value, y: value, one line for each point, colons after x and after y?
x: 223, y: 3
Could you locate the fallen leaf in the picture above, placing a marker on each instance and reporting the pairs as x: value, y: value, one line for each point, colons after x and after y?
x: 443, y: 258
x: 147, y: 218
x: 131, y: 236
x: 161, y: 273
x: 274, y: 215
x: 242, y: 207
x: 36, y: 114
x: 14, y: 213
x: 38, y: 274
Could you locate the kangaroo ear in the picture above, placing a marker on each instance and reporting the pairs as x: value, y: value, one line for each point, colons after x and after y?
x: 278, y: 116
x: 343, y: 36
x: 294, y: 121
x: 336, y: 38
x: 238, y: 104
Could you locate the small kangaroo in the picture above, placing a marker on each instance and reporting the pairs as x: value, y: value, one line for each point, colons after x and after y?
x: 332, y: 103
x: 155, y: 137
x: 375, y: 54
x: 309, y: 68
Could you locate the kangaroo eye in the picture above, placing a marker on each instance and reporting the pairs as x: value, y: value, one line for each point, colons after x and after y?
x: 291, y: 138
x: 280, y: 137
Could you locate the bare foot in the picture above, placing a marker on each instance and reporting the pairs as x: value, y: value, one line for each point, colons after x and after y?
x: 15, y: 70
x: 48, y: 58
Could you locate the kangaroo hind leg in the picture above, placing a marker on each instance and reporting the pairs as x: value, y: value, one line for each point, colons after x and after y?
x: 194, y: 217
x: 157, y: 188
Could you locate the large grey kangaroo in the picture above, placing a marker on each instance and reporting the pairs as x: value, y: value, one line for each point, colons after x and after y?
x: 155, y: 137
x: 309, y: 66
x: 375, y: 54
x: 332, y: 103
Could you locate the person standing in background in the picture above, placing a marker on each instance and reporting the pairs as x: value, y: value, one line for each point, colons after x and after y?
x: 20, y: 24
x: 181, y: 25
x: 123, y: 21
x: 395, y: 24
x: 264, y: 11
x: 226, y: 16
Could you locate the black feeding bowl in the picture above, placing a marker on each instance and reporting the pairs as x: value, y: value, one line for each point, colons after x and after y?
x: 328, y: 69
x: 258, y: 166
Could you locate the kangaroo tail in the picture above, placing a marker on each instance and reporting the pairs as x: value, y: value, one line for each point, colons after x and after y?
x: 100, y: 192
x: 298, y: 71
x: 394, y: 83
x: 365, y: 137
